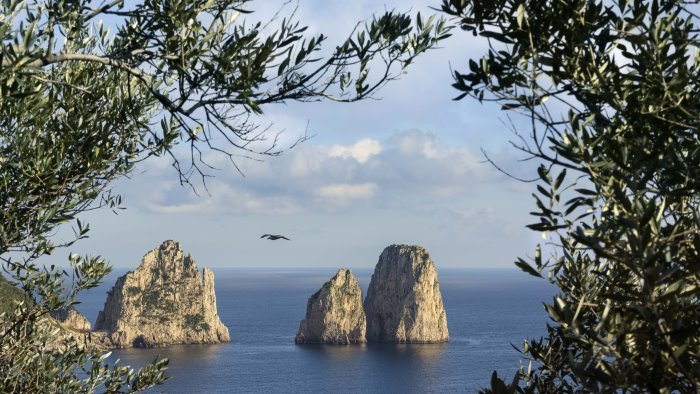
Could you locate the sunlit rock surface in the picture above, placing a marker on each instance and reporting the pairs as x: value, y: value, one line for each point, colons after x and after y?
x: 403, y: 303
x: 334, y: 314
x: 71, y: 318
x: 164, y: 301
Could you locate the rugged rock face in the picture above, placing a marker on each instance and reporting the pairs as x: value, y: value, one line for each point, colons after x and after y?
x: 72, y: 319
x: 164, y: 301
x: 403, y: 303
x: 74, y: 328
x: 334, y: 314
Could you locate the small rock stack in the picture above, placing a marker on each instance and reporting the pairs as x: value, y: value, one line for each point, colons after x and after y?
x: 71, y: 318
x: 403, y: 304
x: 334, y: 314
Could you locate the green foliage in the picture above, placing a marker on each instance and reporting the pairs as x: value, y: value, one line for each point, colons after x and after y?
x: 618, y: 194
x: 196, y: 322
x: 133, y: 290
x: 80, y: 105
x: 45, y: 359
x: 156, y: 304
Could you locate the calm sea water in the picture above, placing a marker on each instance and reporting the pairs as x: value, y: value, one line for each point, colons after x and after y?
x: 487, y: 310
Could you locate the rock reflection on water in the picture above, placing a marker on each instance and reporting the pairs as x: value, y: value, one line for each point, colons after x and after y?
x: 411, y: 367
x: 391, y: 367
x: 423, y: 354
x: 398, y: 367
x: 334, y: 352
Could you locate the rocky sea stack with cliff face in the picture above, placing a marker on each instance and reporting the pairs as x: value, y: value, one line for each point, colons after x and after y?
x: 403, y: 303
x: 334, y: 314
x: 164, y: 301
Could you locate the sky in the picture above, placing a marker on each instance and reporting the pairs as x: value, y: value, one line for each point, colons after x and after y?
x: 404, y: 168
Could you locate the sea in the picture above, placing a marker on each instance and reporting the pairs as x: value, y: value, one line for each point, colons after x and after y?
x: 489, y: 314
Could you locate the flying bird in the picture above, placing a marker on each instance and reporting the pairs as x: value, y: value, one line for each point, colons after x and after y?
x: 273, y: 237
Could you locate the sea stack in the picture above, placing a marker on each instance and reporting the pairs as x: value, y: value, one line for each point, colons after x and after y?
x: 403, y: 303
x: 334, y: 314
x: 164, y: 301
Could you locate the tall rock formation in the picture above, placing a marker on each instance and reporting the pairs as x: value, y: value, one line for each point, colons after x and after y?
x: 334, y: 314
x: 403, y: 303
x: 164, y: 301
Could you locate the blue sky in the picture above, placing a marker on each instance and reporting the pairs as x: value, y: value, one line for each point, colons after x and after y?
x: 405, y: 168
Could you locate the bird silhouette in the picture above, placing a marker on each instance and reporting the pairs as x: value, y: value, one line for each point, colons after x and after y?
x: 273, y: 237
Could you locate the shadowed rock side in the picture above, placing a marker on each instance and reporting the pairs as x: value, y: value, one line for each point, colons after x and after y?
x: 164, y: 301
x: 334, y: 314
x: 70, y: 317
x: 74, y: 326
x: 403, y: 303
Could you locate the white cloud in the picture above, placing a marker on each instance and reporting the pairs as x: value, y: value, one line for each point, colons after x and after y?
x: 222, y: 199
x: 345, y: 191
x: 303, y: 165
x: 361, y: 151
x: 415, y: 142
x: 428, y: 146
x: 411, y: 169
